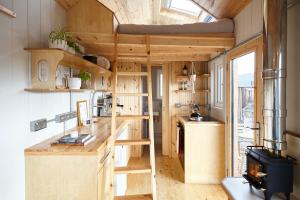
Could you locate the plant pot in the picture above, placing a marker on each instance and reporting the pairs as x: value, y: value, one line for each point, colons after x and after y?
x: 84, y: 84
x: 71, y: 50
x: 74, y: 83
x: 58, y: 44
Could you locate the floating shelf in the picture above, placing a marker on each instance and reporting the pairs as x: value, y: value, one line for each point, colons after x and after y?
x: 69, y: 59
x: 8, y: 11
x: 44, y: 64
x: 182, y: 78
x: 36, y: 90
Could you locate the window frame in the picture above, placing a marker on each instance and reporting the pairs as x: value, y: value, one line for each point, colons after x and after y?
x: 159, y: 85
x: 185, y: 11
x: 218, y: 94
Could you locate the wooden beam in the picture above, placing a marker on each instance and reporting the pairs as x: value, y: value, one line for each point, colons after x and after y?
x: 166, y: 58
x: 133, y: 142
x: 159, y: 40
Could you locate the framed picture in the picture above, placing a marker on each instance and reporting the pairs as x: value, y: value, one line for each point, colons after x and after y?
x: 82, y: 112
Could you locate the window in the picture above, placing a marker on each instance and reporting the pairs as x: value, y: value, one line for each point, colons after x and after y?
x: 188, y: 7
x: 159, y: 84
x: 219, y: 85
x: 185, y: 6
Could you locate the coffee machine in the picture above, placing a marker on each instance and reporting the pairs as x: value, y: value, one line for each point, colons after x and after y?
x: 104, y: 105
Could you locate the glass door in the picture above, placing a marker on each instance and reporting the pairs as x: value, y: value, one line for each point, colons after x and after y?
x: 243, y: 109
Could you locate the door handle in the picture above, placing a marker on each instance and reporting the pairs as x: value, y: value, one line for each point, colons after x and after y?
x: 254, y: 128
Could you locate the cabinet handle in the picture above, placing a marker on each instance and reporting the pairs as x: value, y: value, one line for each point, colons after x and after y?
x: 103, y: 159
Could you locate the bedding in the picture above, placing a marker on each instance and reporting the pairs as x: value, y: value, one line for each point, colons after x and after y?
x: 220, y: 26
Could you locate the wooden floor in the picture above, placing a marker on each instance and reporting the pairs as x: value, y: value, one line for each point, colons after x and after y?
x: 170, y: 181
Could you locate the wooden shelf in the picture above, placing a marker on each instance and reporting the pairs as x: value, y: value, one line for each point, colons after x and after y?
x: 37, y: 90
x: 51, y: 59
x: 7, y: 11
x: 182, y: 78
x: 69, y: 59
x: 197, y: 91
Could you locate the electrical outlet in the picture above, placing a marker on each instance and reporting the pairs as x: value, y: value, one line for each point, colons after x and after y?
x: 61, y: 118
x: 38, y: 125
x: 73, y: 114
x: 65, y: 116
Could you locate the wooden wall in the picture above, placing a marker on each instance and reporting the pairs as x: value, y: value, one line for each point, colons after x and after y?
x: 249, y: 22
x: 175, y: 69
x: 90, y: 16
x: 132, y: 105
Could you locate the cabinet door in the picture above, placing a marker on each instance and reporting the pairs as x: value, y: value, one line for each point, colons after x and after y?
x: 107, y: 179
x: 100, y: 183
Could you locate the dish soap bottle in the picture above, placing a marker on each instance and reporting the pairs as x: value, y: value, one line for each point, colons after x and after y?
x: 185, y: 70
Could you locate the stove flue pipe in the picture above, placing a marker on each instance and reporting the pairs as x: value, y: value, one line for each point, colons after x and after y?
x: 274, y: 74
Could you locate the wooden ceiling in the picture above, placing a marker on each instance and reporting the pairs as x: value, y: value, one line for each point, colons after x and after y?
x: 223, y: 8
x: 151, y: 12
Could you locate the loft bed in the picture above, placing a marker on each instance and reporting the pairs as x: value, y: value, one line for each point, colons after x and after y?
x: 163, y: 43
x: 162, y: 48
x: 219, y: 26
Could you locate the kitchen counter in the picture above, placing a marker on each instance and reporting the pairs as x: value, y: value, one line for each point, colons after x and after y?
x: 201, y: 150
x: 101, y: 128
x: 73, y: 172
x: 210, y: 122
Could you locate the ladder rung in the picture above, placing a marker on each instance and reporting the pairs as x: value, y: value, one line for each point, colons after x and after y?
x: 132, y: 94
x: 133, y: 117
x: 132, y: 170
x: 133, y: 142
x: 135, y: 197
x: 132, y: 73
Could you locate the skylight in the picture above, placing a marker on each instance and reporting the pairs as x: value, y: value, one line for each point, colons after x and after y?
x: 185, y: 6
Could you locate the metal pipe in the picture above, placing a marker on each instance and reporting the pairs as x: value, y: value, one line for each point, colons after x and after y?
x: 274, y: 74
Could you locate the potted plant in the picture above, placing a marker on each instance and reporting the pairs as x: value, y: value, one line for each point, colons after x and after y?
x: 85, y: 76
x: 73, y: 46
x: 63, y: 40
x: 59, y: 39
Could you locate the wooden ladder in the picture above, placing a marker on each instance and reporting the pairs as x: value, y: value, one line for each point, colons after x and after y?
x: 149, y: 141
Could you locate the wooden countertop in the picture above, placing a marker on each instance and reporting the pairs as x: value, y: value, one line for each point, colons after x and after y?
x: 101, y: 128
x: 185, y: 120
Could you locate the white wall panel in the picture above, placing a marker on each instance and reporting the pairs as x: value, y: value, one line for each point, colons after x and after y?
x: 35, y: 19
x: 293, y: 89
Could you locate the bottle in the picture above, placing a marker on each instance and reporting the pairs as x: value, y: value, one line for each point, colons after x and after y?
x: 185, y: 70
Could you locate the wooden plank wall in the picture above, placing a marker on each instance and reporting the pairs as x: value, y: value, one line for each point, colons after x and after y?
x: 249, y: 22
x: 175, y: 69
x: 132, y: 105
x: 90, y: 16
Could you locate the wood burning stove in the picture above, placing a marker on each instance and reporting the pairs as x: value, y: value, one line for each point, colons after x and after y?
x: 268, y: 172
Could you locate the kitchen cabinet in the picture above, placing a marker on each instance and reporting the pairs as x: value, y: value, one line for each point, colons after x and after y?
x: 203, y: 146
x: 72, y: 172
x: 105, y: 176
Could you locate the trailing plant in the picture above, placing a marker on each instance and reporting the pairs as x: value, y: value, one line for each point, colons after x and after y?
x: 61, y: 35
x: 73, y: 44
x: 85, y: 76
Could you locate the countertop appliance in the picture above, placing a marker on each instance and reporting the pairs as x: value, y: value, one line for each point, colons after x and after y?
x: 104, y: 105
